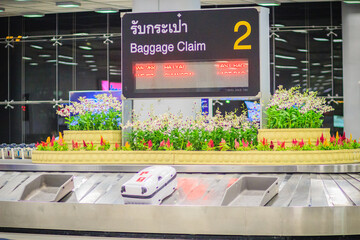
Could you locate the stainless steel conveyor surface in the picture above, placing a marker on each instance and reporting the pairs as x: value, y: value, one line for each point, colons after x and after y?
x: 196, y: 189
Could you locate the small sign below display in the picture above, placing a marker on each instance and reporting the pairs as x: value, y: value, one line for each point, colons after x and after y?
x: 204, y: 53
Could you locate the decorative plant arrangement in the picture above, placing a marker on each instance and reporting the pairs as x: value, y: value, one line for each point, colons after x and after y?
x: 293, y: 109
x: 173, y: 132
x: 334, y: 143
x: 103, y: 113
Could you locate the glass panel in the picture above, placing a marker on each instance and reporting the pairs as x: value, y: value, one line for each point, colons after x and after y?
x: 320, y: 63
x: 290, y: 53
x: 90, y: 22
x: 40, y: 26
x: 41, y: 122
x: 40, y: 71
x: 338, y: 67
x: 115, y: 63
x: 67, y: 68
x: 91, y: 69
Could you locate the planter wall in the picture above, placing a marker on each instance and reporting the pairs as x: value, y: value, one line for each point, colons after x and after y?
x: 288, y: 134
x: 199, y: 157
x: 111, y: 136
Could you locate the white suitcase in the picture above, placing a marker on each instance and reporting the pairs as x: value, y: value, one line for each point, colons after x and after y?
x: 150, y: 186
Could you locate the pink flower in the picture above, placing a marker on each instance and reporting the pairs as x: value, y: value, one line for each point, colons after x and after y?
x: 332, y: 139
x: 162, y: 143
x: 188, y: 144
x: 294, y: 142
x: 301, y: 144
x: 237, y: 144
x: 84, y: 143
x: 168, y: 143
x: 317, y: 142
x: 322, y: 139
x: 244, y: 144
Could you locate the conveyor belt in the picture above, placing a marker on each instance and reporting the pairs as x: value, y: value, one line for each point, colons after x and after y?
x: 296, y: 190
x: 322, y: 200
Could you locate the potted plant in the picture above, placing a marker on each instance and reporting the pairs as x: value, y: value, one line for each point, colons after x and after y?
x: 90, y: 119
x: 292, y: 114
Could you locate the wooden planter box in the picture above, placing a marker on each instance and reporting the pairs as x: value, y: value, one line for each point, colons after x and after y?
x: 288, y: 134
x: 111, y: 136
x: 199, y: 157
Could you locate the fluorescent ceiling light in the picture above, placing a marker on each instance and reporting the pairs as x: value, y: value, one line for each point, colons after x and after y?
x: 268, y: 3
x: 280, y: 40
x: 106, y: 10
x: 305, y: 69
x: 336, y: 77
x: 300, y: 31
x: 33, y: 64
x: 85, y: 47
x: 277, y: 25
x: 32, y: 15
x: 93, y: 66
x: 325, y: 71
x: 27, y: 58
x: 304, y: 61
x: 66, y: 57
x: 114, y: 73
x: 285, y: 57
x: 51, y: 60
x: 88, y: 56
x: 338, y: 69
x: 90, y: 61
x: 321, y: 39
x: 68, y: 63
x: 302, y: 50
x: 286, y: 67
x: 44, y: 55
x: 351, y: 1
x: 2, y: 9
x: 327, y: 65
x: 295, y: 74
x: 68, y: 4
x: 36, y: 46
x: 316, y: 64
x: 337, y: 40
x: 94, y: 70
x: 115, y: 70
x: 80, y: 34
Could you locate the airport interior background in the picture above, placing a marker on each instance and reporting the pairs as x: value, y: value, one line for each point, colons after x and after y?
x: 63, y: 52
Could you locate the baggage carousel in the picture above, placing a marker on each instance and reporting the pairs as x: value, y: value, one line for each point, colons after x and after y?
x: 312, y: 200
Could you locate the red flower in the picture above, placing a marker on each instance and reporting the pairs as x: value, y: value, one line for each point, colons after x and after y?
x: 37, y: 143
x: 117, y: 146
x: 317, y: 142
x: 211, y: 143
x: 340, y: 142
x: 343, y: 137
x: 162, y: 143
x: 245, y: 144
x: 84, y: 143
x: 102, y: 142
x: 264, y: 141
x: 301, y: 144
x: 149, y: 144
x: 282, y: 145
x: 322, y: 139
x: 294, y: 142
x: 188, y: 144
x: 332, y: 139
x: 73, y: 143
x: 271, y: 145
x: 92, y: 145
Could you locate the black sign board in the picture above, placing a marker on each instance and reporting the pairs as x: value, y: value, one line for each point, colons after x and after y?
x: 205, y: 53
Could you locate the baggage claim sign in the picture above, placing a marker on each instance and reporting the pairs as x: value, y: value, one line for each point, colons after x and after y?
x: 205, y: 53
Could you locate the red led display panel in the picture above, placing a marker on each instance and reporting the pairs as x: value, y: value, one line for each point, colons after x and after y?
x: 180, y: 74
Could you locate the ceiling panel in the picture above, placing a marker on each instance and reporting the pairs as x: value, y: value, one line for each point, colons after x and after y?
x: 16, y: 8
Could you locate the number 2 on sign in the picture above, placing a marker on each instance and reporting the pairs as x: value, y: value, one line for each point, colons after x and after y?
x: 237, y: 45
